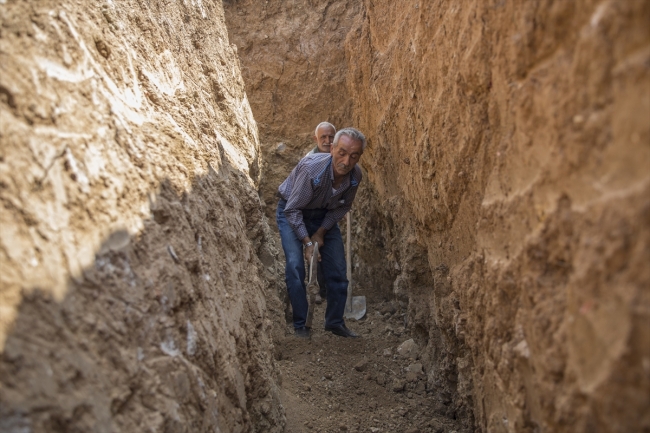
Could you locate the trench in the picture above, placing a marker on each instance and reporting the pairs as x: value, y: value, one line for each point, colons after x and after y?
x: 501, y: 233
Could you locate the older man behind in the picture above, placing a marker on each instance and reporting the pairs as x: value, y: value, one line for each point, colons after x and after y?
x: 324, y: 136
x: 316, y: 195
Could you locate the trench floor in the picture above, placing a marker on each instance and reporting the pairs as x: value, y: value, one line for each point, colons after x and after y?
x: 335, y: 384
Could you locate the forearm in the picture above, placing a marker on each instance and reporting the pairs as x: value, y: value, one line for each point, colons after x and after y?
x: 334, y: 216
x: 294, y: 218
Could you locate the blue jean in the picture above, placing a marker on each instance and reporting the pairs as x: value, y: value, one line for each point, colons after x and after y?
x: 322, y: 285
x: 332, y: 263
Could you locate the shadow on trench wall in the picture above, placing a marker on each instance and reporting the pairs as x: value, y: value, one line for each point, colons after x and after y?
x: 169, y: 330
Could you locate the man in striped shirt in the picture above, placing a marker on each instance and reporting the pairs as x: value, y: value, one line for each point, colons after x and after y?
x: 316, y: 195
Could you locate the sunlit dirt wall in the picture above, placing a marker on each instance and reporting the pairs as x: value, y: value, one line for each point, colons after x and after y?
x: 137, y: 274
x: 509, y: 155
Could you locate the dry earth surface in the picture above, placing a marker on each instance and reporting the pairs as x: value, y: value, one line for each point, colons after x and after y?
x: 502, y: 228
x: 375, y: 383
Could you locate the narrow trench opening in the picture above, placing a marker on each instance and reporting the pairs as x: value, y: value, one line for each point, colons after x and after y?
x: 398, y: 376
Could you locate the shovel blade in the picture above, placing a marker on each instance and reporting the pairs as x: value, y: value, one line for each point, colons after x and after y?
x: 357, y: 310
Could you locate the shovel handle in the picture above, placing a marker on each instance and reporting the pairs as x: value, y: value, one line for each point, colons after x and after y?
x: 348, y: 260
x: 312, y: 286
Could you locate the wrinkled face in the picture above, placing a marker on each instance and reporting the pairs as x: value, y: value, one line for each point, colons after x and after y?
x: 345, y: 155
x: 324, y: 138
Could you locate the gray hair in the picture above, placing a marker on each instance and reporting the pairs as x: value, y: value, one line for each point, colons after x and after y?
x: 320, y: 125
x: 353, y: 133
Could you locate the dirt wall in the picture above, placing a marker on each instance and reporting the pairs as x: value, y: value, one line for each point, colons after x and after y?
x: 294, y: 67
x: 138, y: 277
x: 509, y: 154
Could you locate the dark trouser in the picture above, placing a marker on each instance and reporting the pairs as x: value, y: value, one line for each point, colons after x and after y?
x: 322, y: 286
x: 332, y: 264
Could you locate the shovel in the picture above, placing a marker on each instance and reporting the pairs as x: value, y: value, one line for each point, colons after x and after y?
x: 312, y: 286
x: 355, y: 307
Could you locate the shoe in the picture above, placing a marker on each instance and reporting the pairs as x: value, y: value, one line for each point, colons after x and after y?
x: 318, y: 299
x: 342, y: 331
x: 302, y: 332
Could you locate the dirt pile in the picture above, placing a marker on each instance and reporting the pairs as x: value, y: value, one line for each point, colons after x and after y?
x: 138, y: 282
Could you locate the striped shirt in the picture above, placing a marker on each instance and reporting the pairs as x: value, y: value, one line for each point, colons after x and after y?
x: 309, y: 186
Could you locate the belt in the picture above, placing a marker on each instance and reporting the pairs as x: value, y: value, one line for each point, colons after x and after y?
x: 307, y: 213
